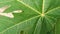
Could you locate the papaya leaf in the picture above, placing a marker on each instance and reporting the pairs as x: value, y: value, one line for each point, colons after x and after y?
x: 29, y: 16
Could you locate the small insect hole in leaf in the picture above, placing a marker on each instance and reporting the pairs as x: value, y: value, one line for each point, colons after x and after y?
x: 17, y: 11
x: 2, y: 9
x: 10, y: 15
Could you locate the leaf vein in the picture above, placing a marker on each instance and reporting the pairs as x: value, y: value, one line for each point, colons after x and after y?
x: 52, y: 10
x: 19, y: 23
x: 29, y: 7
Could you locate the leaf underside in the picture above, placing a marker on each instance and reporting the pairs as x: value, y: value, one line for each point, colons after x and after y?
x: 37, y: 17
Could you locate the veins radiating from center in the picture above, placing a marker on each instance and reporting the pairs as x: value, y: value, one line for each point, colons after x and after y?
x: 42, y: 14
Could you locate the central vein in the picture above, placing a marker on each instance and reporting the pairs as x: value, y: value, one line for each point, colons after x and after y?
x: 43, y: 8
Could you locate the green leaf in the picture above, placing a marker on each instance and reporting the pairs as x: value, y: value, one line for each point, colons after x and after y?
x: 29, y: 16
x: 38, y: 26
